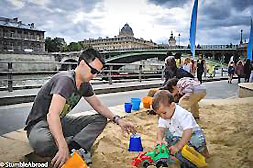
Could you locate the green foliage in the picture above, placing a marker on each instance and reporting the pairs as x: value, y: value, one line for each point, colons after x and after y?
x: 73, y: 46
x: 59, y: 45
x: 54, y: 45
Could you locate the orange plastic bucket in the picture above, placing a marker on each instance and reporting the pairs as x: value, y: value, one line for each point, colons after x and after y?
x: 75, y: 161
x: 147, y: 101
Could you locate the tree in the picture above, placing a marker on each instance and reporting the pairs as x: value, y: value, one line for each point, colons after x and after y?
x: 84, y: 46
x: 73, y: 46
x: 54, y: 45
x: 58, y: 44
x: 49, y: 44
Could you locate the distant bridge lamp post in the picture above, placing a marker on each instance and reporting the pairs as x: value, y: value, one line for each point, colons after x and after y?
x: 179, y: 40
x: 242, y: 46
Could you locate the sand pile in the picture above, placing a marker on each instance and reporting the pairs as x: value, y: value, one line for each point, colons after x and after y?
x: 228, y: 126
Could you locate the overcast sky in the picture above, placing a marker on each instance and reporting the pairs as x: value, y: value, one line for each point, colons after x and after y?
x: 219, y: 21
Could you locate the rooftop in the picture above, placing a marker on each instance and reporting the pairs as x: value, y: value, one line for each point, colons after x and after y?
x: 16, y: 24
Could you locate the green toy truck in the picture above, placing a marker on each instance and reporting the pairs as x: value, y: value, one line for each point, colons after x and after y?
x: 160, y: 157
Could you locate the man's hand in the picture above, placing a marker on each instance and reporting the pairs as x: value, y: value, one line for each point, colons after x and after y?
x: 61, y: 156
x: 126, y: 126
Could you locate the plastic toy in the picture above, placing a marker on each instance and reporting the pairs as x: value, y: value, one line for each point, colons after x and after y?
x: 77, y: 160
x: 193, y: 156
x: 135, y: 143
x: 160, y: 157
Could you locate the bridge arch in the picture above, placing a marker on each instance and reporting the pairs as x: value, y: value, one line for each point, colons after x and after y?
x: 133, y: 57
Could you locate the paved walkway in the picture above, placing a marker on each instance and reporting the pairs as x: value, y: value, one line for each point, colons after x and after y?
x: 28, y: 95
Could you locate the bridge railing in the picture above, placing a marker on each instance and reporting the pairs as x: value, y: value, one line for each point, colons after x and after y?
x: 26, y: 74
x: 161, y: 47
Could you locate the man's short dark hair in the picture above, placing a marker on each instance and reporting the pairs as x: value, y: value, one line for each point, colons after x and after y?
x: 163, y: 97
x: 90, y: 55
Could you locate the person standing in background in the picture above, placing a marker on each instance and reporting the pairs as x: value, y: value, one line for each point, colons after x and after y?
x: 201, y: 57
x: 247, y: 70
x: 193, y: 67
x: 239, y: 70
x: 200, y: 69
x: 231, y: 71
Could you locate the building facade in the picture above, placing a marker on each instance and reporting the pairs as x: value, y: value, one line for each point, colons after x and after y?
x: 16, y: 37
x: 172, y: 40
x: 125, y: 40
x: 242, y: 51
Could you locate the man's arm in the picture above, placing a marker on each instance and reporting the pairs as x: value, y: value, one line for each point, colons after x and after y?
x: 54, y: 122
x: 101, y: 108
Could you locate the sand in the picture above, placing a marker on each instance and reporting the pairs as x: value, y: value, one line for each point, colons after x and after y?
x: 227, y: 124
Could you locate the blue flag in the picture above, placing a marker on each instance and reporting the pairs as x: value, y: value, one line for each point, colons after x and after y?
x: 193, y: 27
x: 250, y: 44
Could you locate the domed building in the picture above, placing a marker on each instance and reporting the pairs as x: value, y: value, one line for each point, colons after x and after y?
x: 125, y: 40
x: 172, y: 41
x: 126, y: 31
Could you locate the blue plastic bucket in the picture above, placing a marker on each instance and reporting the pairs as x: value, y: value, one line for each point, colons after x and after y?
x: 136, y: 103
x: 128, y: 107
x: 135, y: 143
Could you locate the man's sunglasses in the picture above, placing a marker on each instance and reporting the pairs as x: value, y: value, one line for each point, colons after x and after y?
x: 92, y: 70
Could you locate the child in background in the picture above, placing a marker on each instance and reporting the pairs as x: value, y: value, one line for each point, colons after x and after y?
x: 189, y: 92
x: 187, y: 65
x: 211, y: 69
x: 231, y: 71
x: 176, y: 125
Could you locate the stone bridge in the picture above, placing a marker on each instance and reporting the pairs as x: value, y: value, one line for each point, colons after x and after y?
x: 216, y: 52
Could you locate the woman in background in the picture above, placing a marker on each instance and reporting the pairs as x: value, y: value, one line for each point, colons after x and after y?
x: 200, y: 69
x: 231, y: 71
x: 239, y: 70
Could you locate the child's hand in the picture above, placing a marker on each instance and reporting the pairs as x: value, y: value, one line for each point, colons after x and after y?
x: 174, y: 149
x: 159, y: 142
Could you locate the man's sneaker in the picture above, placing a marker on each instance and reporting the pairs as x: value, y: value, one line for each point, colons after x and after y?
x: 86, y: 155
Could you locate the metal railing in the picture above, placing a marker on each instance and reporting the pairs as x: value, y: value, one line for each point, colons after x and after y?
x: 15, y: 76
